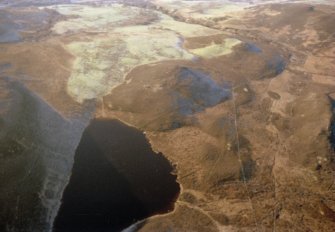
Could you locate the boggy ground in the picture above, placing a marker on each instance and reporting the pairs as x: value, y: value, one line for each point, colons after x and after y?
x: 247, y: 127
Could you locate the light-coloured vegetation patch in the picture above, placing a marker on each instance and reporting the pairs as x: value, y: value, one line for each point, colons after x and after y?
x: 222, y: 10
x: 102, y: 64
x: 119, y: 44
x: 96, y: 19
x: 270, y: 12
x: 203, y: 9
x: 103, y: 19
x: 103, y: 59
x: 89, y: 78
x: 185, y: 29
x: 215, y: 50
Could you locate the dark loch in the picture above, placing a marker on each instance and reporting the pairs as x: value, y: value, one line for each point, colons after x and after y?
x: 117, y: 179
